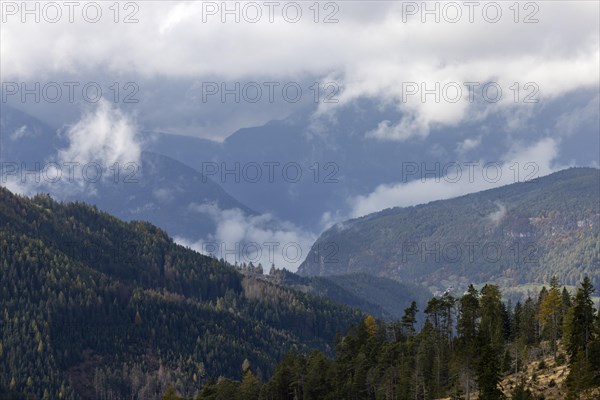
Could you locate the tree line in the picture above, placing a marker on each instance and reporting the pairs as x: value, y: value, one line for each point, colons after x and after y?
x: 464, y: 348
x: 93, y: 307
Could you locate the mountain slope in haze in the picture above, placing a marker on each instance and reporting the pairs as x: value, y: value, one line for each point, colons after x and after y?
x: 381, y: 297
x: 340, y: 160
x: 166, y: 193
x: 520, y: 233
x: 24, y: 137
x: 91, y: 306
x: 158, y: 189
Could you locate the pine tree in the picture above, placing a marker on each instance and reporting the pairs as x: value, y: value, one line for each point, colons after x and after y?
x: 580, y: 336
x: 506, y: 362
x: 549, y: 313
x: 492, y: 322
x: 527, y: 328
x: 171, y: 394
x: 409, y: 320
x: 490, y: 342
x: 249, y: 389
x: 520, y: 392
x: 370, y: 325
x: 488, y: 373
x: 317, y: 384
x: 579, y: 323
x: 565, y: 299
x: 580, y: 376
x: 467, y: 327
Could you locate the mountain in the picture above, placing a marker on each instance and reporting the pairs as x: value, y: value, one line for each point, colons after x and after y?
x: 158, y: 189
x: 381, y: 297
x: 501, y: 356
x: 24, y: 137
x: 164, y: 192
x: 94, y: 306
x: 338, y: 159
x: 516, y: 234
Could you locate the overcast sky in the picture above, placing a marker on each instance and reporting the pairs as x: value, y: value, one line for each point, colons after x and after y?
x: 372, y: 50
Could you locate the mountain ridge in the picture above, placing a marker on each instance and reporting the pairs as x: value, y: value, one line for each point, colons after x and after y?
x: 534, y: 220
x: 88, y: 301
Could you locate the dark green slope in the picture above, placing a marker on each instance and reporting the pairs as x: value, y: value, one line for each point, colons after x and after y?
x: 381, y: 297
x: 542, y: 228
x: 91, y: 305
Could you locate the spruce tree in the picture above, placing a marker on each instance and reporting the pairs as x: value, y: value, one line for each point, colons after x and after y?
x: 549, y: 313
x: 467, y: 327
x: 579, y: 323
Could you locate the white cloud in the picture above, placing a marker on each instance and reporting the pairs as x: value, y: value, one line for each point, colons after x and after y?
x: 522, y: 162
x: 370, y: 52
x: 19, y: 133
x: 163, y: 195
x: 571, y: 121
x: 467, y: 145
x: 104, y: 135
x: 496, y: 216
x: 328, y: 219
x: 406, y: 129
x: 19, y: 186
x: 252, y: 238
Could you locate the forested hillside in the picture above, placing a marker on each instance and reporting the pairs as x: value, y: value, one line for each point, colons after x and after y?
x: 521, y: 233
x: 93, y: 307
x: 470, y: 347
x: 381, y: 297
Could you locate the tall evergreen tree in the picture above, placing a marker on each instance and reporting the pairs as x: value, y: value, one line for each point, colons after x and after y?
x: 492, y: 316
x: 409, y: 320
x: 579, y: 323
x: 490, y: 343
x: 488, y: 373
x: 467, y: 327
x: 549, y: 313
x: 580, y: 336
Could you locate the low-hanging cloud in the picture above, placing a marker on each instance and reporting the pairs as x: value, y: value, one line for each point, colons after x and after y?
x: 244, y: 238
x: 104, y: 135
x: 522, y: 162
x: 101, y: 138
x: 496, y: 216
